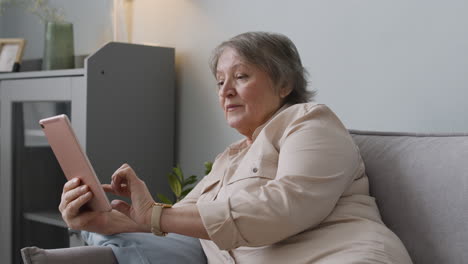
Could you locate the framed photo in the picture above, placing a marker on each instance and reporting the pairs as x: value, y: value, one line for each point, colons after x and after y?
x: 11, y: 52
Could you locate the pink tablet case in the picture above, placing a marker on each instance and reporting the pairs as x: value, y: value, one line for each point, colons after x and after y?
x: 73, y: 159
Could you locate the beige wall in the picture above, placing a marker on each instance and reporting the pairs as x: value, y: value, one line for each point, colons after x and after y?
x: 381, y: 65
x: 91, y: 20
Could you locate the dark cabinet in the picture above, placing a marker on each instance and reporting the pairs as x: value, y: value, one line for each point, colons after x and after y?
x: 121, y: 106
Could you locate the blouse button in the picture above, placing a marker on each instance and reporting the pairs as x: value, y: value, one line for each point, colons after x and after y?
x: 254, y: 170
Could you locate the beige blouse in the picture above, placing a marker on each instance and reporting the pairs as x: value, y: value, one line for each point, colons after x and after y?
x: 297, y: 194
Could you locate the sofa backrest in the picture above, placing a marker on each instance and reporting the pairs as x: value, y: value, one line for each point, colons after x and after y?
x: 420, y: 183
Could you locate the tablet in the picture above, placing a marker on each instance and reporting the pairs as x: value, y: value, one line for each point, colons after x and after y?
x: 72, y: 158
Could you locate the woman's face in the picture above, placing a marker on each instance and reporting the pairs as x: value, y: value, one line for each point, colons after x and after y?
x: 246, y: 93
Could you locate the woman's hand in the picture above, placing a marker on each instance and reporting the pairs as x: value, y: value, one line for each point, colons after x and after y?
x: 74, y: 196
x: 124, y: 217
x: 126, y: 183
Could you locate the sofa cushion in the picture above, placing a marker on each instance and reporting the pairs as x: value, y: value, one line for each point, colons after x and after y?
x: 420, y: 183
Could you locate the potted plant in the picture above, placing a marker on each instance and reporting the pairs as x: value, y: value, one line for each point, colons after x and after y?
x: 181, y: 185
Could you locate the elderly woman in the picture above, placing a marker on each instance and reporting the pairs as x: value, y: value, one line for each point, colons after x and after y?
x: 294, y: 190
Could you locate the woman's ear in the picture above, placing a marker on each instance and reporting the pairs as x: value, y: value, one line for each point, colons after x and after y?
x: 284, y: 91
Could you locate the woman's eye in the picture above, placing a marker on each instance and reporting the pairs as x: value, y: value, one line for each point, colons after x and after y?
x: 220, y: 83
x: 241, y: 76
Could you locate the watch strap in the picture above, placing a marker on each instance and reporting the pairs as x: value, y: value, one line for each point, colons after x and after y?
x: 156, y: 218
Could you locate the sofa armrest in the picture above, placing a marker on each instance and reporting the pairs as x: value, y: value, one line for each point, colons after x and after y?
x: 75, y: 255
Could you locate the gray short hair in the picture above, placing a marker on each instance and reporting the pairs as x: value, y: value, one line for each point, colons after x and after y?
x: 274, y: 53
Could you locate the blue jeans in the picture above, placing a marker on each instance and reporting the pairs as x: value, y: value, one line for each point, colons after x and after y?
x: 146, y: 248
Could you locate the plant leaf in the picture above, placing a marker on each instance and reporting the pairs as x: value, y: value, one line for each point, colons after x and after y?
x: 178, y: 172
x: 208, y: 167
x: 175, y: 185
x: 185, y: 192
x: 163, y: 198
x: 191, y: 180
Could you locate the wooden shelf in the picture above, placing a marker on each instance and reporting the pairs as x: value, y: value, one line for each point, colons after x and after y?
x: 46, y: 217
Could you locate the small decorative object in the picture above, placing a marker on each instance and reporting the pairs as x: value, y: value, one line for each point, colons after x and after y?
x: 58, y: 46
x: 11, y: 52
x: 180, y: 186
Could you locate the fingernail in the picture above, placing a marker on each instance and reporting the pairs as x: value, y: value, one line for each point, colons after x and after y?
x: 84, y: 187
x: 76, y: 180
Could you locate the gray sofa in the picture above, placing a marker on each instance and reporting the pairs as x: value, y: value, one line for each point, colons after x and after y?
x: 420, y: 183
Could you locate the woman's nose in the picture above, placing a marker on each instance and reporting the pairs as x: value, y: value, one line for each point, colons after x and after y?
x: 227, y: 90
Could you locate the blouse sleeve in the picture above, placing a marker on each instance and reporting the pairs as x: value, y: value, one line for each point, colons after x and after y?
x: 317, y: 162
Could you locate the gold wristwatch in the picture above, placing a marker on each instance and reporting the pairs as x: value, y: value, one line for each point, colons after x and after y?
x: 156, y: 218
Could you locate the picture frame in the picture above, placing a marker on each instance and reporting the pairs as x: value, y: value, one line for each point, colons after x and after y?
x: 11, y: 53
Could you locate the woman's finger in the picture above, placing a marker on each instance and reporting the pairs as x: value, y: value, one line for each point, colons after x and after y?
x: 123, y: 166
x: 108, y: 188
x: 124, y: 172
x: 119, y: 185
x: 70, y: 192
x: 71, y: 184
x: 122, y: 180
x: 73, y: 208
x: 121, y: 206
x: 74, y: 193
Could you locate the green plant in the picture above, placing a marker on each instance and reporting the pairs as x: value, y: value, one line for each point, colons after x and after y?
x: 39, y: 8
x: 180, y: 185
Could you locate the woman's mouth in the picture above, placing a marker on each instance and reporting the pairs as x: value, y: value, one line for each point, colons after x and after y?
x: 232, y: 107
